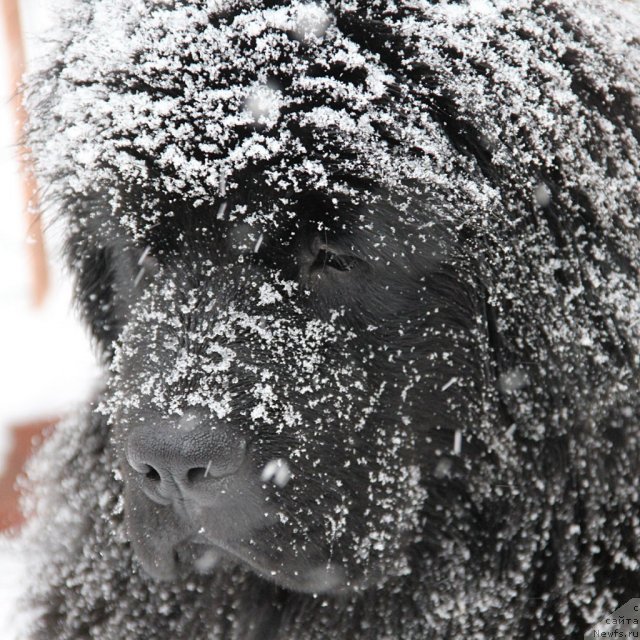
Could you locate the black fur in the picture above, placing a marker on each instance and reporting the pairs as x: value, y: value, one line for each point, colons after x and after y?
x: 416, y: 283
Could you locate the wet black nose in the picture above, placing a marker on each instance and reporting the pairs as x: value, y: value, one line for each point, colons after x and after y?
x: 185, y: 459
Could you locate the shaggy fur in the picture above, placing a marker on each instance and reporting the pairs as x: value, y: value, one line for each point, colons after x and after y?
x: 390, y: 252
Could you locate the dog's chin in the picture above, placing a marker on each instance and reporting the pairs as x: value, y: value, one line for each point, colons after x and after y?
x: 173, y: 541
x: 198, y: 555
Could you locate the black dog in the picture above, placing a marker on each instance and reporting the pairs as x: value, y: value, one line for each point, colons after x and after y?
x: 365, y: 276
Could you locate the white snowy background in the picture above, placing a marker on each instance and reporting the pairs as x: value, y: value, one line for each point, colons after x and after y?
x: 46, y: 363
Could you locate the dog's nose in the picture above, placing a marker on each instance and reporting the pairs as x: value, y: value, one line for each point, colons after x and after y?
x: 185, y: 459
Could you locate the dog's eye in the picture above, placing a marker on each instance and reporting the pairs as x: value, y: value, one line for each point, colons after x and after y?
x: 327, y: 259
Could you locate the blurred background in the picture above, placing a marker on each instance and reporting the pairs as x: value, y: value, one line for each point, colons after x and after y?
x: 46, y: 363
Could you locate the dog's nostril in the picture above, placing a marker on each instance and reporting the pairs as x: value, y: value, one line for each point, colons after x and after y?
x: 195, y: 474
x: 152, y: 474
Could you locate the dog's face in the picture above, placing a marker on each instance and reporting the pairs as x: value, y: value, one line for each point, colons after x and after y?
x: 268, y: 234
x: 283, y: 395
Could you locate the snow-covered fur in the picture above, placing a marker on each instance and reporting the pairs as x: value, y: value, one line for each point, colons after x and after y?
x: 393, y: 248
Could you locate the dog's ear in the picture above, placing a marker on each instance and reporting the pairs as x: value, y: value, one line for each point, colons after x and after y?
x: 108, y: 280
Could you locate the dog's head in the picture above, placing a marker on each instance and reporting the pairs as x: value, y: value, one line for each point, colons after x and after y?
x: 346, y: 280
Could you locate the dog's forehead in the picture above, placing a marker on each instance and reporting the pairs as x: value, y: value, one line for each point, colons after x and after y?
x: 350, y: 231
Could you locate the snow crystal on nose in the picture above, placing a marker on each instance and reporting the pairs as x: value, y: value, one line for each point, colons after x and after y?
x: 207, y: 561
x: 189, y: 421
x: 276, y: 471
